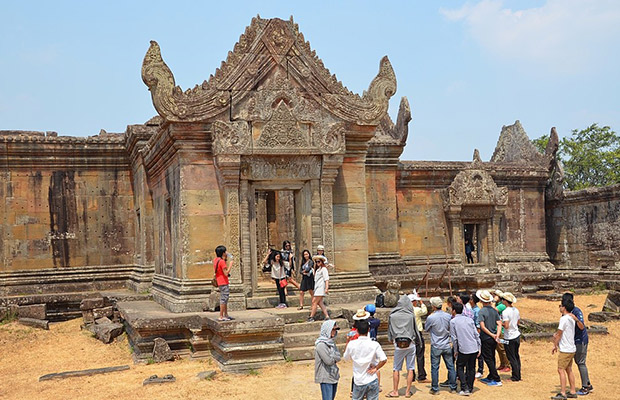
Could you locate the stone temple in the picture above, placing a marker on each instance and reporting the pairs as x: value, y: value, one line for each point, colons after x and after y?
x: 273, y: 147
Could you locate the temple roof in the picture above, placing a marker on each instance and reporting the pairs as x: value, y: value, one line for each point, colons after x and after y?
x: 265, y: 45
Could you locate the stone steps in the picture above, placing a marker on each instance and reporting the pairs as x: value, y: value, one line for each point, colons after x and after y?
x: 306, y: 353
x: 292, y: 315
x: 313, y: 327
x: 308, y: 337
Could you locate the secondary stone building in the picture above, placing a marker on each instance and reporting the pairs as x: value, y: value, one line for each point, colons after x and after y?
x: 274, y: 147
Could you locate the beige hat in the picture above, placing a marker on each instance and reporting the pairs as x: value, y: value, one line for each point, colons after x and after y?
x: 319, y: 257
x: 414, y: 296
x: 436, y: 302
x: 361, y: 314
x: 320, y: 247
x: 510, y: 297
x: 498, y: 292
x: 484, y: 296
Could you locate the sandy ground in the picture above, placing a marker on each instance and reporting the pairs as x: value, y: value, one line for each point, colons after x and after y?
x: 28, y: 353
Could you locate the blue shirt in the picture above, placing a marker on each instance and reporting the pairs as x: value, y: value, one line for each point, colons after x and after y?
x: 464, y: 335
x: 438, y: 325
x: 581, y: 335
x: 476, y: 310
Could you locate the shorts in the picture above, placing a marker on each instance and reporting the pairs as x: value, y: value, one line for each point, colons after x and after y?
x: 565, y: 360
x: 224, y: 294
x: 307, y: 283
x: 400, y: 355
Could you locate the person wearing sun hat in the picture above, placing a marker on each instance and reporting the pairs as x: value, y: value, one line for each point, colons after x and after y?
x: 490, y: 325
x: 420, y: 310
x: 510, y: 320
x: 504, y: 364
x: 321, y: 286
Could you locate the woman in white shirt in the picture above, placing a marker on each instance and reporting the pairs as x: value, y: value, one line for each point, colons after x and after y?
x: 278, y: 274
x: 321, y: 286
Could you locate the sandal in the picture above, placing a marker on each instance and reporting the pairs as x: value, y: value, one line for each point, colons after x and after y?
x: 559, y: 396
x: 300, y: 308
x: 408, y: 394
x: 391, y: 394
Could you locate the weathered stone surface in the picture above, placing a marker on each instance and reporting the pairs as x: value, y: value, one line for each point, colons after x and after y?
x: 391, y: 295
x: 103, y: 312
x: 106, y: 332
x: 206, y: 375
x: 92, y: 303
x: 85, y: 372
x: 102, y: 321
x: 603, y: 316
x: 612, y: 302
x: 35, y: 323
x: 88, y: 317
x: 161, y: 351
x: 36, y: 311
x: 154, y: 379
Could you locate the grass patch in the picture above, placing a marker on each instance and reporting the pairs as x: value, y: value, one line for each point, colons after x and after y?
x: 253, y: 372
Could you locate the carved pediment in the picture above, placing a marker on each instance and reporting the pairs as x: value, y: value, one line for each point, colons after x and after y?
x: 514, y: 146
x: 266, y: 45
x: 475, y: 187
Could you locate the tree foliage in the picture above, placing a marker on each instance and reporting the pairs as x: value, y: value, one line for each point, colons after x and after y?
x: 591, y: 156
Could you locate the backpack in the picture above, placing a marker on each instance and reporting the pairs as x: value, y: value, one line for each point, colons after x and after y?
x: 379, y: 301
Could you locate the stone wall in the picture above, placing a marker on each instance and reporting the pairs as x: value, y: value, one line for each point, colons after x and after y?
x: 583, y: 229
x: 66, y: 203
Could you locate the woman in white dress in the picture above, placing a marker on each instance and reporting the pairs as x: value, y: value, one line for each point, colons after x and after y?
x: 321, y: 286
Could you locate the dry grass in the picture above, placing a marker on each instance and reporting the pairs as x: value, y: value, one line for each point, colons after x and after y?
x: 27, y: 354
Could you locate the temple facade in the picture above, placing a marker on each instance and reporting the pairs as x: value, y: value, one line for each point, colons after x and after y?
x: 273, y: 147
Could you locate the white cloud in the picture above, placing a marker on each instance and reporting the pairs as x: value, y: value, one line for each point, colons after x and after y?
x: 561, y: 36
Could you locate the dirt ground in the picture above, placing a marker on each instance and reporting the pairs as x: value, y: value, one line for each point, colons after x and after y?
x: 28, y: 353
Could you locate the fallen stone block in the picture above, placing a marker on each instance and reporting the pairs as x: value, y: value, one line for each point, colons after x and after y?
x: 92, y: 303
x: 603, y: 316
x: 103, y: 312
x: 161, y: 351
x: 106, y: 332
x: 35, y: 323
x: 88, y: 317
x: 206, y: 375
x: 529, y: 288
x: 155, y: 379
x: 36, y: 311
x: 612, y: 302
x: 84, y: 372
x: 103, y: 320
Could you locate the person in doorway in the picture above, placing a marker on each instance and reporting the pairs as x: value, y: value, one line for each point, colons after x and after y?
x: 326, y: 355
x: 321, y: 286
x: 288, y: 259
x: 469, y: 248
x: 564, y: 341
x: 278, y: 274
x: 307, y: 277
x: 581, y: 345
x: 510, y: 320
x: 222, y: 269
x: 401, y: 332
x: 490, y: 326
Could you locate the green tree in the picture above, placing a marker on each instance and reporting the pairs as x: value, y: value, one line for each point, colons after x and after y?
x: 591, y: 157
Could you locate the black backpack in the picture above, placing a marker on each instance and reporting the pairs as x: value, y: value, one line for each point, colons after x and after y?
x: 379, y: 301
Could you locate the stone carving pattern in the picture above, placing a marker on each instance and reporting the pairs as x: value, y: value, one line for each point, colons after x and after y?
x: 327, y: 216
x: 232, y: 224
x: 273, y: 168
x: 231, y: 138
x: 394, y: 134
x: 282, y: 130
x: 514, y: 146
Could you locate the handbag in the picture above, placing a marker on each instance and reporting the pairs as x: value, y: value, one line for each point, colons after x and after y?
x: 283, y: 282
x: 214, y: 280
x: 402, y: 342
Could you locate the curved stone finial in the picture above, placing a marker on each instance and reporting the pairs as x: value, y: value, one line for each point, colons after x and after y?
x: 169, y: 100
x: 553, y: 144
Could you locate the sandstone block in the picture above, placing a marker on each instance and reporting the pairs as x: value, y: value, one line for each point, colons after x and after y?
x: 36, y: 311
x: 603, y: 316
x: 106, y: 332
x: 206, y: 375
x: 161, y: 351
x: 92, y: 303
x: 35, y: 323
x: 103, y: 312
x: 612, y: 302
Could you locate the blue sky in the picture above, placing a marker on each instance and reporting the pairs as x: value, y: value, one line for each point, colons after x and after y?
x: 467, y: 68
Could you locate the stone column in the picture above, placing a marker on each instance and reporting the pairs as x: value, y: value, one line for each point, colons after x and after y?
x: 328, y: 177
x: 456, y: 233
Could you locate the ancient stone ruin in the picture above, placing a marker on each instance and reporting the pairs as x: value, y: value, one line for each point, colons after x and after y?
x: 273, y: 147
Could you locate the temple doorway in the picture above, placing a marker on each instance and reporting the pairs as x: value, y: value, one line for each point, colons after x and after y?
x: 474, y: 233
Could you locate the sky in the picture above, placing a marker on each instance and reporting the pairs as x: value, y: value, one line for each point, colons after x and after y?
x: 466, y: 67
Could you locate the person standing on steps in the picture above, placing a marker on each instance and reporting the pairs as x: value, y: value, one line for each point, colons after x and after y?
x: 321, y: 286
x: 288, y: 259
x: 326, y: 355
x: 469, y: 248
x: 307, y: 277
x: 222, y: 270
x: 278, y: 274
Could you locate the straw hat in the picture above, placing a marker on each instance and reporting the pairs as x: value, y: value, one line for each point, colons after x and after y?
x: 498, y: 292
x: 484, y: 296
x: 436, y: 302
x: 361, y: 314
x: 510, y: 297
x: 319, y: 257
x: 320, y: 247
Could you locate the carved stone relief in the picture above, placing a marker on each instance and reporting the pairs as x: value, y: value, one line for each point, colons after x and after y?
x: 231, y: 138
x: 281, y: 167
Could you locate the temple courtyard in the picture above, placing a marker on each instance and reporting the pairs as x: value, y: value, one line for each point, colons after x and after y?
x: 29, y: 353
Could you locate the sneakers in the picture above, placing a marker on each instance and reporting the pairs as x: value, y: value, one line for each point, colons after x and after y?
x: 583, y: 392
x: 478, y: 375
x: 495, y: 383
x: 589, y: 388
x: 464, y: 393
x: 310, y: 319
x: 445, y: 384
x: 485, y: 380
x: 434, y: 392
x: 505, y: 369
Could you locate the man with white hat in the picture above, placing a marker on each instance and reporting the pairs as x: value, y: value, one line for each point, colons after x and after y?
x: 490, y: 326
x: 510, y: 320
x: 420, y: 310
x: 438, y: 326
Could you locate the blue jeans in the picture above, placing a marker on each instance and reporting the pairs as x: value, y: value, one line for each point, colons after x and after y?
x: 328, y: 391
x: 371, y: 390
x: 448, y: 359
